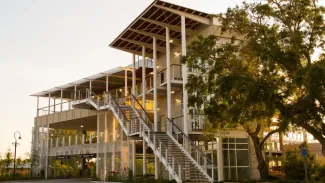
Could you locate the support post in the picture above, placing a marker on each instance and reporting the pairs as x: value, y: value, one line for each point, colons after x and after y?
x: 90, y: 86
x: 69, y: 140
x: 144, y: 163
x: 61, y: 107
x: 75, y: 93
x: 54, y: 105
x: 184, y: 74
x: 114, y: 144
x: 47, y: 140
x: 134, y: 158
x: 105, y: 147
x: 220, y: 159
x: 155, y: 99
x: 126, y: 83
x: 133, y: 77
x: 97, y: 146
x: 107, y: 83
x: 37, y: 112
x: 143, y: 79
x: 169, y: 110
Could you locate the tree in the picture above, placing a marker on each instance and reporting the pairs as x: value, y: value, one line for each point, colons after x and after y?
x: 8, y: 160
x: 265, y: 71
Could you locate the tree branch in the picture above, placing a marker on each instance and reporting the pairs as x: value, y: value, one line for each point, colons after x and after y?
x: 267, y: 136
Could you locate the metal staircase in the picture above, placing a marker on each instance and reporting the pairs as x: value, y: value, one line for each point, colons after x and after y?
x: 184, y: 161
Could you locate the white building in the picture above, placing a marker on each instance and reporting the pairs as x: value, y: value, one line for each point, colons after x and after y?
x: 139, y: 112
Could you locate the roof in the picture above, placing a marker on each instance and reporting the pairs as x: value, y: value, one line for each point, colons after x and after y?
x: 153, y: 21
x: 116, y: 79
x: 70, y: 86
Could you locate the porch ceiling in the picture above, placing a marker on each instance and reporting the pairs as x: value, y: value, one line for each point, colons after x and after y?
x: 152, y: 22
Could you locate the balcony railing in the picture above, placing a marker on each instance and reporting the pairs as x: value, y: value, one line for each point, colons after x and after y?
x: 197, y: 122
x: 54, y: 108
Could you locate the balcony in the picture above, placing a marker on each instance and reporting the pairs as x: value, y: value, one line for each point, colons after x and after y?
x: 196, y: 122
x: 81, y: 144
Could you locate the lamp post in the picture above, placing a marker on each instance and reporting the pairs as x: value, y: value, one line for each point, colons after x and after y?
x: 15, y: 144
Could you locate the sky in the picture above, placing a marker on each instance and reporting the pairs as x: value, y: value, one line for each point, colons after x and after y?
x: 44, y: 44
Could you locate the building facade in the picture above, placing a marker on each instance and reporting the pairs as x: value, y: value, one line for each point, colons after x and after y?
x: 137, y: 117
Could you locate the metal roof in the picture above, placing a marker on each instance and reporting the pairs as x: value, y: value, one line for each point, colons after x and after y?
x: 152, y: 23
x: 70, y: 86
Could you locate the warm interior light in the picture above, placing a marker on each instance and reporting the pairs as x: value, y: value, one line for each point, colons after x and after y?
x: 178, y: 101
x: 171, y: 40
x: 81, y: 126
x: 120, y: 89
x: 177, y: 54
x: 173, y: 92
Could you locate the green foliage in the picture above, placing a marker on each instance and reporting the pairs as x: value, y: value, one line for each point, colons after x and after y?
x: 293, y: 165
x: 266, y: 70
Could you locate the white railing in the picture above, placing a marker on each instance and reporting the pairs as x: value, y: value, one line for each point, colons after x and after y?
x: 148, y: 64
x: 146, y: 126
x: 54, y: 108
x: 200, y: 158
x: 197, y: 122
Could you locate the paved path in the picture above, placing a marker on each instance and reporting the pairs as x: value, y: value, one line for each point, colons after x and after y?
x: 54, y: 181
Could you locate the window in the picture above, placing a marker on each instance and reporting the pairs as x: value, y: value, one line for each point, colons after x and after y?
x: 235, y: 158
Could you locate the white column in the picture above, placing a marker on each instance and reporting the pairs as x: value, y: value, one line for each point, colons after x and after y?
x: 220, y: 159
x: 61, y: 108
x: 69, y: 140
x: 155, y: 98
x: 47, y: 139
x: 51, y: 142
x: 75, y: 92
x: 133, y: 74
x: 114, y: 144
x: 54, y: 105
x: 37, y: 112
x: 63, y: 141
x: 90, y: 138
x: 155, y: 84
x: 76, y: 140
x: 144, y: 166
x: 90, y: 86
x: 126, y: 83
x: 144, y: 158
x: 105, y: 146
x: 97, y: 146
x: 106, y: 83
x: 42, y: 140
x: 49, y: 105
x: 143, y: 77
x: 83, y: 139
x: 57, y: 142
x: 134, y: 158
x: 169, y: 99
x: 184, y: 73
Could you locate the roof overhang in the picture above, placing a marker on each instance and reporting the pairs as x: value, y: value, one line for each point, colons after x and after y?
x: 152, y: 22
x: 116, y: 79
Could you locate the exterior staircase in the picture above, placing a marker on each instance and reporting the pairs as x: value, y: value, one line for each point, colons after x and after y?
x: 184, y: 161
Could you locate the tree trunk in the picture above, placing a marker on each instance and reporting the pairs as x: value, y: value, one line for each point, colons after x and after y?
x: 262, y: 166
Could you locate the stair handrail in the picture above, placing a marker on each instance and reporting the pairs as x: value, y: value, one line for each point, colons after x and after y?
x: 90, y: 93
x: 143, y: 110
x: 107, y: 101
x: 200, y: 152
x: 162, y: 143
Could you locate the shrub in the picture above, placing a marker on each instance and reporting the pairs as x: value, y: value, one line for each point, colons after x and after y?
x: 293, y: 165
